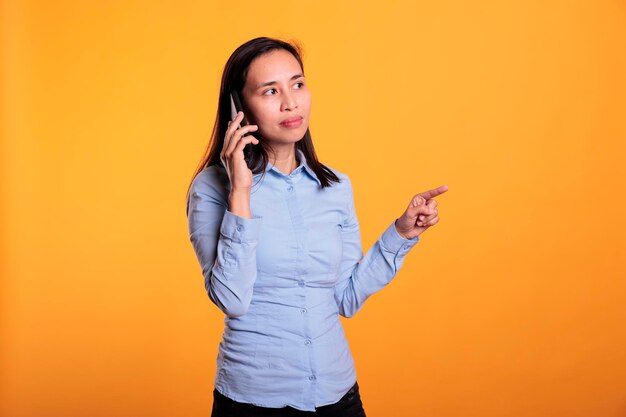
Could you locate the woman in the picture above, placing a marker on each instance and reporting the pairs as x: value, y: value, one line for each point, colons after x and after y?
x: 278, y: 241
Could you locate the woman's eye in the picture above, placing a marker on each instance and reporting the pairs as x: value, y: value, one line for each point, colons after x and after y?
x: 273, y: 91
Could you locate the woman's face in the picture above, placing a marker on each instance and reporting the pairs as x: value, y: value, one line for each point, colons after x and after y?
x: 277, y: 98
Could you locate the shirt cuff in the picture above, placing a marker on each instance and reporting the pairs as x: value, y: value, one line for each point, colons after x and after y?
x: 240, y: 228
x: 393, y: 242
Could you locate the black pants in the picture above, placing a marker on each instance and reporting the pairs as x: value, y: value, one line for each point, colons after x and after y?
x: 349, y: 405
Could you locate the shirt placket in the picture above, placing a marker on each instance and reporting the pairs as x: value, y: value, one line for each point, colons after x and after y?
x: 301, y: 275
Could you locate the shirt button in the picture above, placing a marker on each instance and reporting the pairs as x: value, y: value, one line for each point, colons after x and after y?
x: 239, y: 228
x: 303, y: 311
x: 312, y: 377
x: 290, y: 188
x: 301, y: 283
x: 307, y: 342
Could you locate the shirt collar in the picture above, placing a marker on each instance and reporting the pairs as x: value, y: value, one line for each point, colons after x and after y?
x: 303, y: 165
x: 307, y: 168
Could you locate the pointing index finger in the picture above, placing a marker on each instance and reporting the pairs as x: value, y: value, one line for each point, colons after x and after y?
x: 434, y: 192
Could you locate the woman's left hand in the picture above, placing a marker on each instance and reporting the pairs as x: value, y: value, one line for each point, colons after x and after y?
x: 421, y: 213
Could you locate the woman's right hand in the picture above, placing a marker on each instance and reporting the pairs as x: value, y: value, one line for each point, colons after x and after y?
x: 232, y: 156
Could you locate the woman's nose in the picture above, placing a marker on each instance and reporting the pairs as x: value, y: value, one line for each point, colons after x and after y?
x: 289, y: 102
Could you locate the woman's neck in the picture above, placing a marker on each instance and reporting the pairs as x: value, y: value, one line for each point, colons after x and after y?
x: 284, y: 159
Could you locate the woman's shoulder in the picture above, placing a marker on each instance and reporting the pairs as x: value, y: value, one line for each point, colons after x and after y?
x: 344, y: 179
x: 211, y: 180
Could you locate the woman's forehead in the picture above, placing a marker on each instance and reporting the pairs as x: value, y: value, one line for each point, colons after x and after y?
x: 275, y: 66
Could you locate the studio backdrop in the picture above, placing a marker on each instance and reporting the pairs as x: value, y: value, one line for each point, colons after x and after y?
x: 511, y: 306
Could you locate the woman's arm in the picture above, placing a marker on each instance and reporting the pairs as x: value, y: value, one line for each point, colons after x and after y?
x: 222, y: 229
x: 224, y: 243
x: 361, y: 276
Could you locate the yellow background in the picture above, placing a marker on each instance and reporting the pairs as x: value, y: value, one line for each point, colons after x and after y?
x: 513, y: 305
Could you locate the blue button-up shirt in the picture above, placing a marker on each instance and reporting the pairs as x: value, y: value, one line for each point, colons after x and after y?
x: 282, y: 278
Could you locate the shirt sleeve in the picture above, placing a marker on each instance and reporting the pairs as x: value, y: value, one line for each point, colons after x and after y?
x: 361, y: 276
x: 225, y: 245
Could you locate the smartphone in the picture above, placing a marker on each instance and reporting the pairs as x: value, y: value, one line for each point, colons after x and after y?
x: 235, y: 107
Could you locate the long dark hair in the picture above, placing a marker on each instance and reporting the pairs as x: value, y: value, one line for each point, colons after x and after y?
x: 233, y: 78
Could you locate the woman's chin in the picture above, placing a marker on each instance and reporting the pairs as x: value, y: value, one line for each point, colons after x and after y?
x: 287, y: 138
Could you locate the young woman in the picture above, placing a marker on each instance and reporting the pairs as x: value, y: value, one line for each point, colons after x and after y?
x: 277, y: 237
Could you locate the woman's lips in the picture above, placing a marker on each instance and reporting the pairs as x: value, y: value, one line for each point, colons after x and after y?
x: 292, y: 122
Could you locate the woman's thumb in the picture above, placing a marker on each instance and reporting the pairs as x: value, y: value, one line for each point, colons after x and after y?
x: 415, y: 207
x: 418, y: 201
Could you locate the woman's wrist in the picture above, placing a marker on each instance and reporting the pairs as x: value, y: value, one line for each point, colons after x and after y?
x: 403, y: 234
x: 239, y: 203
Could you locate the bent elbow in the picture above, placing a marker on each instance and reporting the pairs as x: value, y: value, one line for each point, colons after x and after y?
x: 235, y: 310
x: 347, y: 312
x: 232, y: 306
